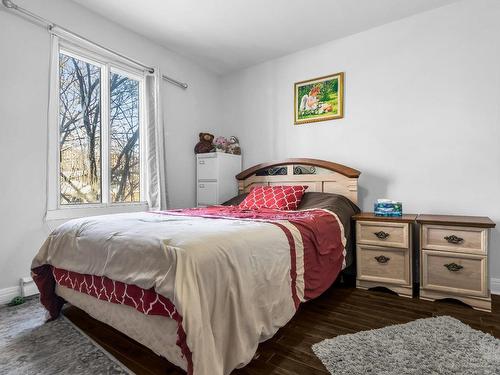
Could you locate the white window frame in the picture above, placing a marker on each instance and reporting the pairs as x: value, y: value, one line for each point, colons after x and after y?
x: 108, y: 65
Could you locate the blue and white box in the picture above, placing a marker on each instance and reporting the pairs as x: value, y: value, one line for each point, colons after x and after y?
x: 387, y: 207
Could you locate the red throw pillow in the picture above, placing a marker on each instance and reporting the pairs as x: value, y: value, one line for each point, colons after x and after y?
x: 279, y: 197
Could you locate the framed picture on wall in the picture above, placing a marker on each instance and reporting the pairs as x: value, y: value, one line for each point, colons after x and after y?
x: 319, y: 99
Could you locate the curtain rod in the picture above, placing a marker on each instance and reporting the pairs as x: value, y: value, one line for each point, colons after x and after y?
x: 50, y: 25
x: 182, y: 85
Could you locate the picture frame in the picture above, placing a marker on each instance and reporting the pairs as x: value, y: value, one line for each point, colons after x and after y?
x: 319, y: 99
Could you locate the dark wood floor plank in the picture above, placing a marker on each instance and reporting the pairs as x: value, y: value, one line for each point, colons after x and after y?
x: 340, y: 310
x: 293, y: 366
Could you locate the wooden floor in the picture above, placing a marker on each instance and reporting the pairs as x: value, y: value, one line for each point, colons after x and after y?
x: 341, y: 310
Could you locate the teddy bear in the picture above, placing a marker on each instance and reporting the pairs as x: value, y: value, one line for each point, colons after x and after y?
x: 205, y: 144
x: 221, y: 143
x: 234, y: 146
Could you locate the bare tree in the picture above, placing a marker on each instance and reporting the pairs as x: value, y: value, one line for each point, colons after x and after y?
x: 80, y: 134
x: 124, y: 120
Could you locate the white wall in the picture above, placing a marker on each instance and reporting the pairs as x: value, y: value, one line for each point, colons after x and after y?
x: 422, y: 111
x: 23, y: 126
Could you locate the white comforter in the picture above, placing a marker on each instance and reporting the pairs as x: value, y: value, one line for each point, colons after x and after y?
x: 229, y: 279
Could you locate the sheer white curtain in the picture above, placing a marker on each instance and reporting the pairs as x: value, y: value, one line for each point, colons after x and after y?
x: 52, y: 131
x: 155, y: 144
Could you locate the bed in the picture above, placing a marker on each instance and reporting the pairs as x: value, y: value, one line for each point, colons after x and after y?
x: 203, y: 287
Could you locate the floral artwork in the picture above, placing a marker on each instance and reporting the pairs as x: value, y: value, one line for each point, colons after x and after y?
x: 319, y: 99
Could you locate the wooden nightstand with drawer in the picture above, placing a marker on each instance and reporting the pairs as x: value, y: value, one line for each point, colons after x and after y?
x: 454, y: 259
x: 384, y: 252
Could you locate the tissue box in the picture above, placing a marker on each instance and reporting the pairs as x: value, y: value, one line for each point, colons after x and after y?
x: 386, y: 207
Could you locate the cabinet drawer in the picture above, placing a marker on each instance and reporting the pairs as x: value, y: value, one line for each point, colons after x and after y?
x: 382, y: 234
x: 382, y: 264
x: 456, y: 239
x: 207, y: 193
x: 454, y: 273
x: 206, y: 168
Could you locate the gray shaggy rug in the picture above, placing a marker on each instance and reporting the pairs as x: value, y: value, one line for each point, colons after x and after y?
x: 28, y: 346
x: 441, y: 345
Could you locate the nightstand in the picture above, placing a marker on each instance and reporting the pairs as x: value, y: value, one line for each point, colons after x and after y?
x: 454, y: 259
x: 384, y: 252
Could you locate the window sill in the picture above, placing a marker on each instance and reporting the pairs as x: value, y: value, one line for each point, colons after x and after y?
x: 67, y: 213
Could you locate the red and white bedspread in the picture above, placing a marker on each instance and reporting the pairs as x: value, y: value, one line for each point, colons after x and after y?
x: 230, y: 278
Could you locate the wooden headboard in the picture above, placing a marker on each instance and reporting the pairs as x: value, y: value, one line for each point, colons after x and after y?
x: 320, y: 175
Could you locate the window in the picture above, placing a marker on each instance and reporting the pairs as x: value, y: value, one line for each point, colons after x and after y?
x: 80, y: 106
x: 100, y: 124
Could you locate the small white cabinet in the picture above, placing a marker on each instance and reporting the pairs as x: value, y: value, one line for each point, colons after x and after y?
x: 215, y: 177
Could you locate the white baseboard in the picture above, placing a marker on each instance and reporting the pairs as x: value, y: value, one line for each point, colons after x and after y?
x: 7, y: 294
x: 495, y: 286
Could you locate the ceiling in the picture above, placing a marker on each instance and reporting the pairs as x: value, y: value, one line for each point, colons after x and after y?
x: 227, y: 35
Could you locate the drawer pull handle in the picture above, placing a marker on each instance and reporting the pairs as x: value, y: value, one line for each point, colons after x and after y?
x: 381, y: 235
x: 454, y: 239
x: 202, y: 161
x: 453, y: 267
x: 382, y: 259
